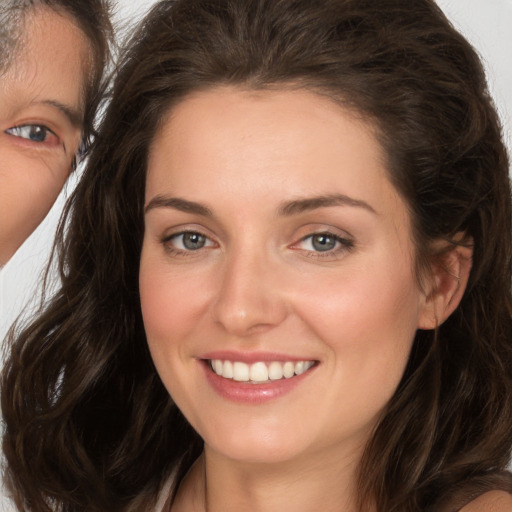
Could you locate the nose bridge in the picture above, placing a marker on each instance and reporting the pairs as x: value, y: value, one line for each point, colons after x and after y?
x: 248, y: 297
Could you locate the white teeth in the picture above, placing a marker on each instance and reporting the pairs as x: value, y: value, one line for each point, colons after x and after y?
x: 217, y: 367
x: 227, y: 370
x: 275, y: 371
x: 302, y: 366
x: 288, y: 370
x: 308, y: 365
x: 260, y: 371
x: 240, y: 371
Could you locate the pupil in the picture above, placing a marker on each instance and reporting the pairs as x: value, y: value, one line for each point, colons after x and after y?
x: 193, y: 241
x: 323, y: 242
x: 37, y: 133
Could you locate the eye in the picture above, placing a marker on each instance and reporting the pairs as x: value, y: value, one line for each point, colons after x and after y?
x: 35, y: 133
x: 324, y: 244
x: 321, y: 242
x: 187, y: 241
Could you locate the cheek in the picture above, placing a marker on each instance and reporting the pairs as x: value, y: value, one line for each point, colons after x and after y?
x: 363, y: 299
x: 171, y: 313
x: 28, y: 189
x: 167, y: 309
x: 368, y: 323
x: 156, y: 306
x: 368, y: 326
x: 173, y: 304
x: 159, y: 322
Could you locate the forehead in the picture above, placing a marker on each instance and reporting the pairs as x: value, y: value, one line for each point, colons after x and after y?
x: 235, y: 146
x: 265, y: 128
x: 52, y: 55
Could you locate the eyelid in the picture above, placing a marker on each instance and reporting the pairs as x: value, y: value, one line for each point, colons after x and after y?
x: 167, y: 239
x: 344, y: 243
x: 339, y: 239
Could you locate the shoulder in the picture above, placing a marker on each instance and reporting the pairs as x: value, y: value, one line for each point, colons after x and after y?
x: 492, y: 501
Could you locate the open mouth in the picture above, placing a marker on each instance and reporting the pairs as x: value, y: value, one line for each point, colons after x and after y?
x: 259, y: 372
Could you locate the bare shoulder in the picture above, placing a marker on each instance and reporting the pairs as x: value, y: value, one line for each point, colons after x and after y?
x: 492, y: 501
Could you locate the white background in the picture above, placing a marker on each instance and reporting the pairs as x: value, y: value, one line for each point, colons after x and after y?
x: 486, y: 23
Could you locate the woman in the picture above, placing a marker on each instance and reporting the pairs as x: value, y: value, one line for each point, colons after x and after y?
x: 276, y: 275
x: 53, y: 54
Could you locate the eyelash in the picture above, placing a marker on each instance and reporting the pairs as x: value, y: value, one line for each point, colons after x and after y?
x: 341, y: 244
x: 17, y: 131
x: 174, y: 251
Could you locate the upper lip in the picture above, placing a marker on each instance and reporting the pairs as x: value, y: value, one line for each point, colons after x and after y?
x: 253, y: 357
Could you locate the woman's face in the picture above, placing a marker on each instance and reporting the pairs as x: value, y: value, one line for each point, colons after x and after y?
x: 276, y: 279
x: 41, y: 111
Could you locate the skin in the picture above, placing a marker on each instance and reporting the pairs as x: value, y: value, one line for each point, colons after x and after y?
x: 259, y: 284
x: 494, y: 501
x: 41, y: 112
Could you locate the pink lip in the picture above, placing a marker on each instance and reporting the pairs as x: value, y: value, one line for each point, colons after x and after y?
x: 245, y: 392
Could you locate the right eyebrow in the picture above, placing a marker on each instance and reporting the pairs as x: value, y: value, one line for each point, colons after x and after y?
x: 177, y: 203
x: 74, y: 116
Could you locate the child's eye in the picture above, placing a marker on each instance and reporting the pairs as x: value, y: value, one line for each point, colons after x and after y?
x: 327, y: 243
x: 187, y: 241
x: 34, y: 133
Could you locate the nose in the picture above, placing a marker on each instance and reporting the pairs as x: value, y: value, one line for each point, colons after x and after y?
x: 250, y: 297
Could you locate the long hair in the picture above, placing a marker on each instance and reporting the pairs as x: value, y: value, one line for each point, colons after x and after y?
x: 89, y: 425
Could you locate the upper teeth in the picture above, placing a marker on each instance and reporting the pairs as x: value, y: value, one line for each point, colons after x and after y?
x: 260, y: 371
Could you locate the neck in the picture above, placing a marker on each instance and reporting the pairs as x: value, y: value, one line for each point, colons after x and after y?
x: 218, y: 484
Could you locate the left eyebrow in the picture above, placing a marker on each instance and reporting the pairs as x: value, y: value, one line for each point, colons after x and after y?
x: 312, y: 203
x: 74, y: 116
x: 179, y: 204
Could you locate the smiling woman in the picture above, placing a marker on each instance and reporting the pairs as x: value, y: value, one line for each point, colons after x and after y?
x: 309, y: 215
x: 276, y: 274
x: 53, y: 55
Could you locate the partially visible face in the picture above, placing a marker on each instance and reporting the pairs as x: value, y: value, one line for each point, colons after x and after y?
x: 277, y: 274
x: 41, y: 111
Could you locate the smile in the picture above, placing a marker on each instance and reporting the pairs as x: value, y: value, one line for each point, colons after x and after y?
x: 259, y: 372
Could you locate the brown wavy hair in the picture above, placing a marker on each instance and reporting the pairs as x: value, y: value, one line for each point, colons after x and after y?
x: 88, y: 424
x: 93, y: 17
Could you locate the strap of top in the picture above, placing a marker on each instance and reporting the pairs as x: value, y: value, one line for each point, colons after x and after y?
x: 165, y: 496
x: 472, y: 489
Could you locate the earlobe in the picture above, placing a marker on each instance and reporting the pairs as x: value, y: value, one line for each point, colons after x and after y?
x: 447, y: 282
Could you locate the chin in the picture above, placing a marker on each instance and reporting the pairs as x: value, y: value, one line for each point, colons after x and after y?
x: 256, y: 443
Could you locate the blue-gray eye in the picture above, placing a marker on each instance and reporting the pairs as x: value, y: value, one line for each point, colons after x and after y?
x: 323, y: 242
x: 33, y: 132
x: 189, y: 241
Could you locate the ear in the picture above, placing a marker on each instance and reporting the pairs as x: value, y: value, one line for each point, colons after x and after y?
x: 446, y: 282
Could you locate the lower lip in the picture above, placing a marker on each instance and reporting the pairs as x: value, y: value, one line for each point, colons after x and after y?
x: 245, y: 392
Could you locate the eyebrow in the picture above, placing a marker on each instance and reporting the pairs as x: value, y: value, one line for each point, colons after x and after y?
x: 286, y: 209
x: 178, y: 204
x: 75, y: 117
x: 312, y: 203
